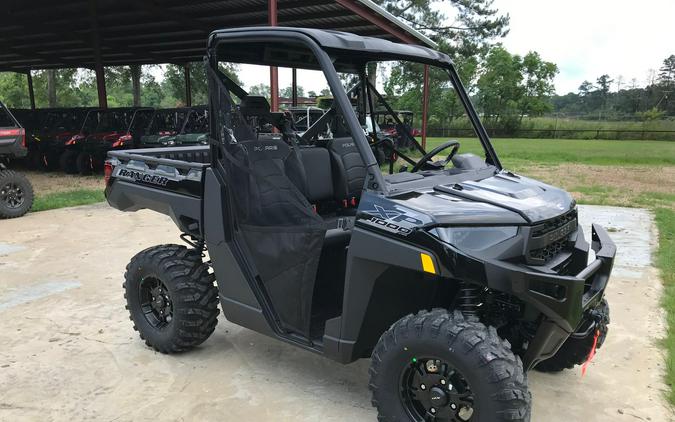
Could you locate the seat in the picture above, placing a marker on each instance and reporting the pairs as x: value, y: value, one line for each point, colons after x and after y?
x: 263, y: 151
x: 319, y: 177
x: 349, y: 170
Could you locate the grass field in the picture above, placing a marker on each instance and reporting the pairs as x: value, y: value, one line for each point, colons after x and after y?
x: 622, y: 173
x: 578, y: 151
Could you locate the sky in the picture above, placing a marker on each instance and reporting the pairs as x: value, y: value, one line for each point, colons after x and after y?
x: 588, y: 38
x: 585, y: 38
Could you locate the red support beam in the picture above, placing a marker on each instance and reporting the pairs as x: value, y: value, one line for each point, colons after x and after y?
x: 425, y: 106
x: 294, y: 85
x: 378, y: 20
x: 31, y: 92
x: 274, y: 71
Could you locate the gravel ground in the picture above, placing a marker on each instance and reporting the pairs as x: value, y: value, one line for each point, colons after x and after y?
x: 69, y: 353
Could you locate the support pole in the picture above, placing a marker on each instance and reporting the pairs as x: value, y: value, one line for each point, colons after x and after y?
x: 294, y: 87
x: 188, y: 85
x: 425, y: 106
x: 274, y: 71
x: 31, y: 92
x: 136, y: 70
x: 100, y: 86
x: 98, y: 63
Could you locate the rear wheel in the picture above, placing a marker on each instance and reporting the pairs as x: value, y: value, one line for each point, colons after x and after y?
x: 68, y: 162
x: 437, y: 366
x: 576, y: 350
x: 16, y: 194
x: 85, y: 163
x: 171, y: 298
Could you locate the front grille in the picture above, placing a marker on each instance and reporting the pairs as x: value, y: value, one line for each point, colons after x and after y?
x: 549, y: 251
x: 554, y: 223
x: 550, y: 238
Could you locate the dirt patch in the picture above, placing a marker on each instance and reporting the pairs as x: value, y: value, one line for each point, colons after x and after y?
x: 48, y: 183
x: 594, y: 183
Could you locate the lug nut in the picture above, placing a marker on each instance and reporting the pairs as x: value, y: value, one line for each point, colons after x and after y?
x: 443, y: 382
x: 423, y: 387
x: 453, y: 406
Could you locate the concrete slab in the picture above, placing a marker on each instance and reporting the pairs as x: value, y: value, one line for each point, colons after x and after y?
x: 72, y: 355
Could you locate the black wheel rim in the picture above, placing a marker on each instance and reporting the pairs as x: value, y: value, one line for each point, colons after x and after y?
x: 156, y: 302
x: 12, y: 195
x: 433, y: 390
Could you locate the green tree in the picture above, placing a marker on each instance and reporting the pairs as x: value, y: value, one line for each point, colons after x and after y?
x: 500, y: 89
x: 538, y: 85
x: 288, y: 92
x: 475, y: 23
x: 174, y: 81
x: 667, y: 72
x: 586, y: 88
x: 260, y: 89
x: 14, y: 90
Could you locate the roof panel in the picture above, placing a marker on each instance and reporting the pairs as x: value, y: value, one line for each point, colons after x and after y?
x: 48, y: 34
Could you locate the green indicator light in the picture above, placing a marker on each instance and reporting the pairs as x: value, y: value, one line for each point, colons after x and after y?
x: 414, y: 360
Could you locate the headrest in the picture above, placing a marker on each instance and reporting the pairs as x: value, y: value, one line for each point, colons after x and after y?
x: 254, y: 105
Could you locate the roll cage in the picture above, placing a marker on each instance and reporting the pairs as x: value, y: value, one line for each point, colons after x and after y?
x: 330, y: 52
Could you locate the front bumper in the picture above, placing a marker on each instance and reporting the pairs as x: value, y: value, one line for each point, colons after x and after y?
x: 564, y: 301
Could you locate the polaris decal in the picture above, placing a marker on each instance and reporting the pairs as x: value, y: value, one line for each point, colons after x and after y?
x: 139, y: 176
x: 392, y: 220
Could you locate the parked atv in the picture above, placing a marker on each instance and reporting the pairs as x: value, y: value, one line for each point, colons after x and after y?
x: 57, y: 127
x: 195, y: 131
x: 455, y: 277
x: 66, y: 148
x: 119, y: 128
x: 164, y: 125
x: 177, y: 127
x: 16, y: 191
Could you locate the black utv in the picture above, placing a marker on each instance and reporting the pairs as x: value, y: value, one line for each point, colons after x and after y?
x: 455, y: 276
x: 16, y: 191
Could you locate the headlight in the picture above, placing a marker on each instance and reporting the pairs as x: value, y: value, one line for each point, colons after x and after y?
x: 475, y: 238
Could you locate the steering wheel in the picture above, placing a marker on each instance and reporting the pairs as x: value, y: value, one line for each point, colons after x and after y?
x: 436, y: 165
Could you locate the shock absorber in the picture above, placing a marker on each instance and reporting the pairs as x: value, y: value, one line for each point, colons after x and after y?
x: 469, y: 300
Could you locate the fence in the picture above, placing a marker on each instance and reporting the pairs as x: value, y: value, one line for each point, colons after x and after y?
x: 607, y: 134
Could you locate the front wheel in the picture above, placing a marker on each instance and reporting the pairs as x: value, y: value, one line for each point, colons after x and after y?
x: 438, y: 366
x: 171, y: 298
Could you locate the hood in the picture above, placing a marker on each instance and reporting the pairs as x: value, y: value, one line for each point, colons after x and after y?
x: 532, y: 200
x: 498, y: 199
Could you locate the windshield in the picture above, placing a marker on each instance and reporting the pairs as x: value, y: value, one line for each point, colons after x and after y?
x: 197, y: 121
x: 167, y: 121
x: 113, y: 121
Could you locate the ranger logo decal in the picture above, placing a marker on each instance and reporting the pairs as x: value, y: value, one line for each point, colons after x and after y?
x: 138, y: 176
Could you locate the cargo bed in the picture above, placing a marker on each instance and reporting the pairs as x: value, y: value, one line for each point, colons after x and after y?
x: 166, y: 180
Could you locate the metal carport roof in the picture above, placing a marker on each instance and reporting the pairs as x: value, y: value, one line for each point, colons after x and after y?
x: 41, y: 34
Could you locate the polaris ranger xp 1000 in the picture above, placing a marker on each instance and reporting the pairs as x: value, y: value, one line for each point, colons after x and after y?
x: 454, y: 275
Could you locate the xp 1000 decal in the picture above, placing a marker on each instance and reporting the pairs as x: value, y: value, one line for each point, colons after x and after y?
x: 391, y: 217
